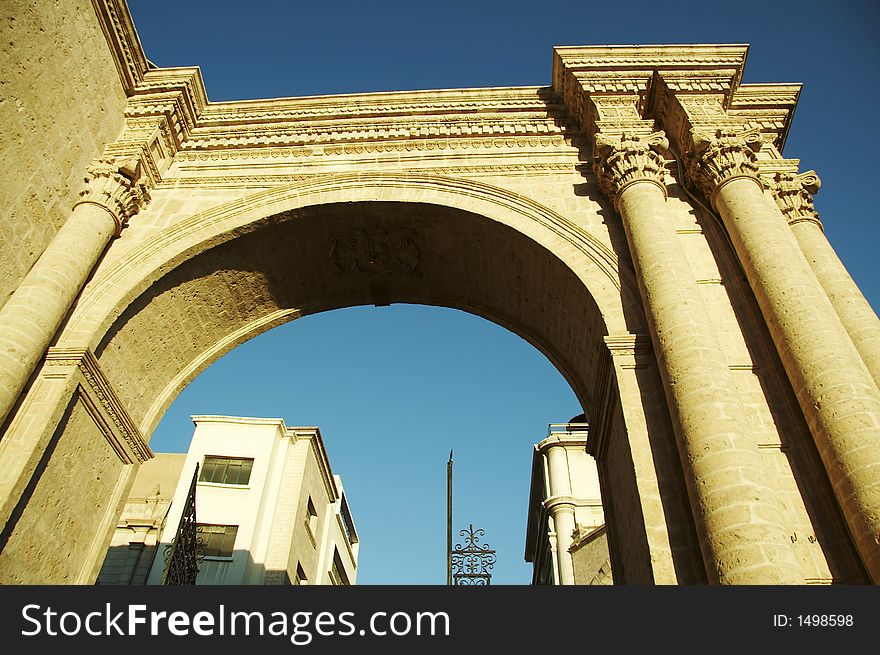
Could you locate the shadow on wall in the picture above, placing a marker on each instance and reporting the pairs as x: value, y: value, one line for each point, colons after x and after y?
x: 139, y: 564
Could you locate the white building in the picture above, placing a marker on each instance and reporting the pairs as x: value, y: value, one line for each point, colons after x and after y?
x: 565, y: 534
x: 134, y: 545
x: 269, y: 509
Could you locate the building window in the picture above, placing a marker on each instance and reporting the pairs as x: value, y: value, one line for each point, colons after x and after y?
x: 337, y: 571
x: 311, y: 522
x: 217, y: 540
x: 300, y: 577
x: 226, y: 470
x: 347, y: 523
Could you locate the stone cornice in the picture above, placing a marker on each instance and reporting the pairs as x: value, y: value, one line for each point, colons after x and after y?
x: 445, y: 102
x: 379, y: 119
x: 611, y: 89
x: 587, y: 71
x: 316, y: 442
x: 175, y: 97
x: 681, y: 86
x: 578, y: 441
x: 120, y: 430
x: 173, y: 103
x: 424, y: 128
x: 625, y: 68
x: 125, y: 47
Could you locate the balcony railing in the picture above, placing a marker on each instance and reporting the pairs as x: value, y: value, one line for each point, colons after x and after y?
x: 578, y: 429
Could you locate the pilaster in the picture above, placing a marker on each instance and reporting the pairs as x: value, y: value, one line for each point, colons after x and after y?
x: 66, y: 463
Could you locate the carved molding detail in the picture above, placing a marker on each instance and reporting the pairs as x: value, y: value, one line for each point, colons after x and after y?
x: 124, y: 44
x: 235, y: 180
x: 724, y: 156
x: 621, y: 161
x: 793, y: 193
x: 99, y: 390
x: 377, y: 252
x: 365, y: 138
x: 115, y: 186
x: 628, y: 345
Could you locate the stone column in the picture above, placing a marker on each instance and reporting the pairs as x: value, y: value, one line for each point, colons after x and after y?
x: 740, y: 527
x: 837, y: 395
x: 33, y: 314
x: 793, y: 194
x: 561, y: 507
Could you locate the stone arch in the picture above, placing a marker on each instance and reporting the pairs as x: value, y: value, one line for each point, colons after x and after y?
x: 110, y: 297
x: 527, y: 269
x: 121, y: 282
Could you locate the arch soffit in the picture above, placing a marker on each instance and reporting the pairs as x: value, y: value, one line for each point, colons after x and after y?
x: 106, y: 297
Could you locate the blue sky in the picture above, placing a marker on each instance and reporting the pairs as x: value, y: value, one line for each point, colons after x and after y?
x: 390, y: 407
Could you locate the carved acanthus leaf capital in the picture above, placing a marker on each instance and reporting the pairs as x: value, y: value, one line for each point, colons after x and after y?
x: 720, y: 157
x: 619, y: 161
x: 116, y: 185
x: 794, y: 196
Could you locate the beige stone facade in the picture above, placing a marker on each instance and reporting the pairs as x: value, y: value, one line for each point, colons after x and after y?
x: 608, y: 219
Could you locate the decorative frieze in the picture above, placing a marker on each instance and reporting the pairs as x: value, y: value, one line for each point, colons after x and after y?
x: 236, y: 180
x: 115, y: 186
x: 723, y: 156
x: 793, y: 193
x: 619, y: 161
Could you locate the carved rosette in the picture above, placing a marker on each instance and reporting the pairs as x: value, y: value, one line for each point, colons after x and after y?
x: 619, y: 161
x: 116, y: 186
x: 719, y: 158
x: 794, y: 196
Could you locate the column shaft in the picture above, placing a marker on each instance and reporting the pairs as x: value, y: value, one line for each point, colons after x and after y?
x: 33, y: 314
x: 839, y: 399
x: 557, y: 465
x: 740, y: 526
x: 563, y: 521
x: 855, y: 312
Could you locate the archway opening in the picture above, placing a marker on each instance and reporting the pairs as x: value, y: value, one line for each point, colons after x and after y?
x: 317, y: 258
x: 393, y: 389
x: 212, y: 281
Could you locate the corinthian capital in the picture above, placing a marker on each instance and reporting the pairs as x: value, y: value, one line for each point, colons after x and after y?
x: 116, y: 186
x: 619, y: 161
x: 720, y: 157
x: 794, y: 196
